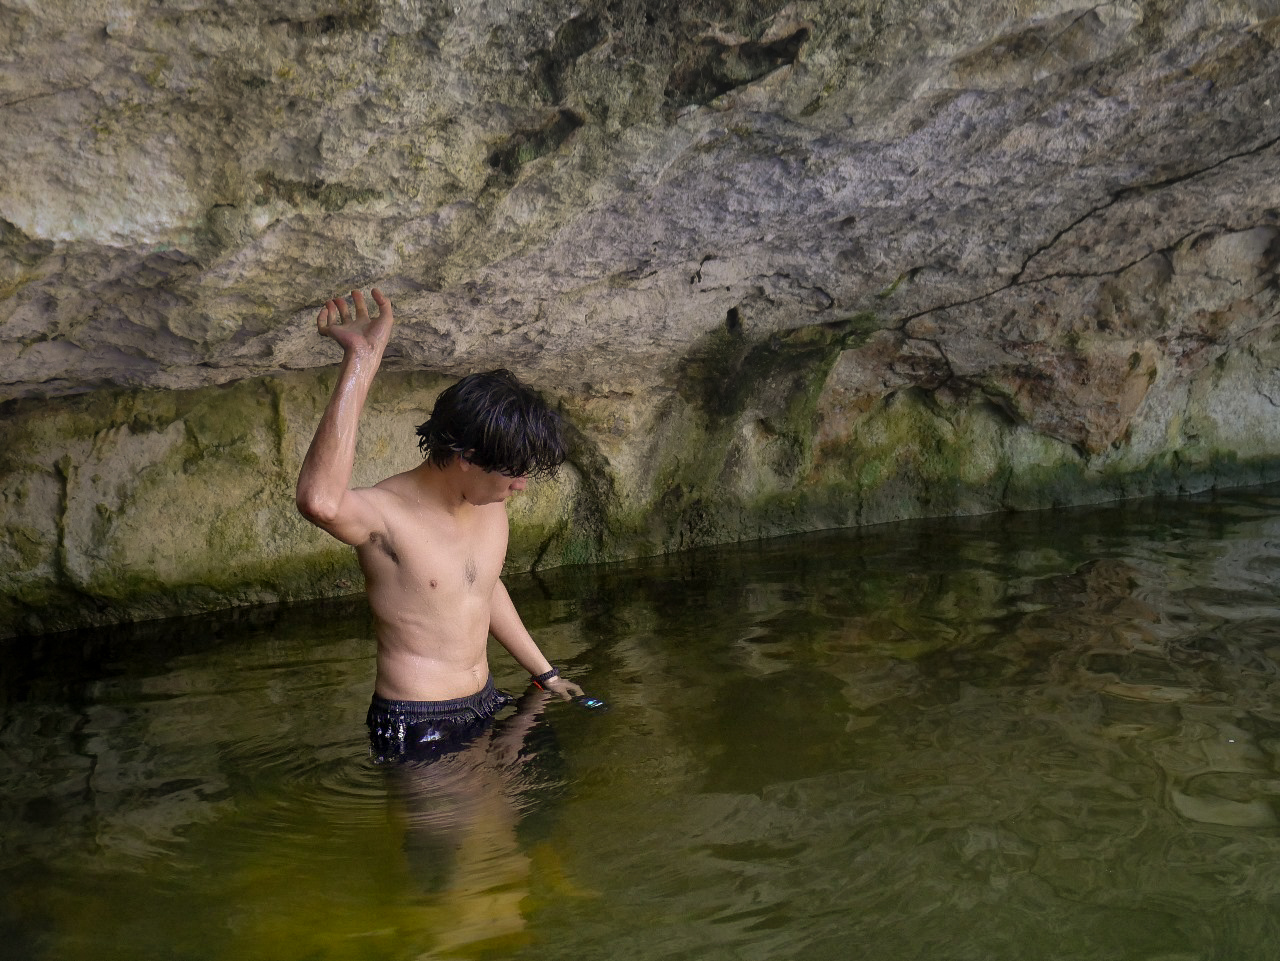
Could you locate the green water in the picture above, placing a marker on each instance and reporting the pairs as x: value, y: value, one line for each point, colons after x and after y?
x: 1020, y: 737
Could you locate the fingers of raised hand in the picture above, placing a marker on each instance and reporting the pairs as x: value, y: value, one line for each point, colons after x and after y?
x: 362, y: 311
x: 383, y: 302
x: 340, y: 305
x: 336, y: 312
x: 327, y: 316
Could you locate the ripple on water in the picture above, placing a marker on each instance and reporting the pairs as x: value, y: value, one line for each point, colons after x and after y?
x: 1032, y: 736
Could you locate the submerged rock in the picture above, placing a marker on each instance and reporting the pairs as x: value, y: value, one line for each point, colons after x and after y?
x: 786, y: 266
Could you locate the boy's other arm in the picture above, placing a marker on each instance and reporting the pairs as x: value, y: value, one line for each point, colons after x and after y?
x: 509, y: 631
x: 324, y: 496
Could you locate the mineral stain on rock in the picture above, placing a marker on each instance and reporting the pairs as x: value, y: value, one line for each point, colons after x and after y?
x: 718, y: 64
x: 525, y: 146
x: 330, y: 197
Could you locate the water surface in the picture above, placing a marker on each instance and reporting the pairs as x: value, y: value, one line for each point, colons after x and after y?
x: 1032, y: 736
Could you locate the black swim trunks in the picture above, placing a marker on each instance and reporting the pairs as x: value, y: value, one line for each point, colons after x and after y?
x: 426, y: 730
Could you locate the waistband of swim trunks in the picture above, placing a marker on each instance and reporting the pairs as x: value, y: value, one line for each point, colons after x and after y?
x: 481, y: 701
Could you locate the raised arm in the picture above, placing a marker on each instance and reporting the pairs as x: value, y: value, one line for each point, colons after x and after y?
x: 505, y: 625
x: 324, y: 496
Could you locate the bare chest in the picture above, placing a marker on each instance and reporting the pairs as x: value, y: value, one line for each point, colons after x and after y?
x: 433, y: 557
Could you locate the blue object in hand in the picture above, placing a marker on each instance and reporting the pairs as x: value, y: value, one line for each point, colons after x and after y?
x: 586, y: 700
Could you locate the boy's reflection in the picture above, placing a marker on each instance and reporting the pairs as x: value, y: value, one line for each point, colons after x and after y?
x: 460, y: 810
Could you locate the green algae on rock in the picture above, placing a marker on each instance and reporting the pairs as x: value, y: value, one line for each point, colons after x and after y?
x: 125, y: 505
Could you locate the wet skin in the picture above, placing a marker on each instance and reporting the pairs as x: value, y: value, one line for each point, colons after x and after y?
x: 431, y: 541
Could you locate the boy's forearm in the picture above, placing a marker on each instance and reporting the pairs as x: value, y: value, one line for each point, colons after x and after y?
x: 327, y: 469
x: 506, y: 626
x: 509, y: 631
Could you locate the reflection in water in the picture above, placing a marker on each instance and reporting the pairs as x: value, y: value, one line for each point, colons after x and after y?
x: 459, y: 817
x: 1049, y: 735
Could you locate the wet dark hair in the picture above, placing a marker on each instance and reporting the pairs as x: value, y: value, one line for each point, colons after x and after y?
x: 496, y: 423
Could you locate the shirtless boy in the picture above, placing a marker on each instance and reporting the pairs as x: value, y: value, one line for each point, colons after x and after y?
x: 431, y: 541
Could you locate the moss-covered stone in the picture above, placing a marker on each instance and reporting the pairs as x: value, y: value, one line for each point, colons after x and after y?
x: 125, y: 505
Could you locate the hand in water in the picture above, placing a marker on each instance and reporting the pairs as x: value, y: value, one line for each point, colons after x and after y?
x: 564, y: 688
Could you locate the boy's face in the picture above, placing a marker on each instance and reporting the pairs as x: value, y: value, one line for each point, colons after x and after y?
x: 491, y: 486
x: 507, y: 484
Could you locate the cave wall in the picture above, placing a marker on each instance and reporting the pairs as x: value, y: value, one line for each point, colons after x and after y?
x: 127, y: 504
x: 783, y: 266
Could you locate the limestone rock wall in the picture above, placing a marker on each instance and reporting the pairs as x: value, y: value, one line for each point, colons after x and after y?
x: 785, y: 266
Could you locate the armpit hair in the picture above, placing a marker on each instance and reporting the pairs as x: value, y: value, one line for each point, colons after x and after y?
x: 381, y: 542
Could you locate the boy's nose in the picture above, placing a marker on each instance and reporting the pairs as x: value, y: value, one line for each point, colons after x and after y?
x: 518, y: 483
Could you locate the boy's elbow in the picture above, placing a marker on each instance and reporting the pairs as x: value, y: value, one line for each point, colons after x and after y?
x: 318, y: 510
